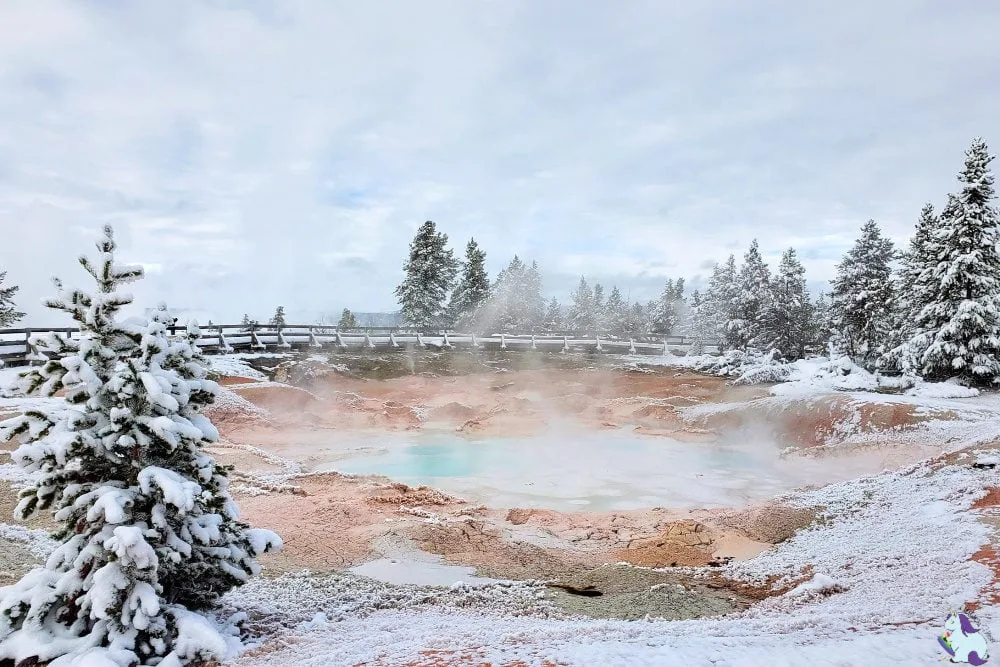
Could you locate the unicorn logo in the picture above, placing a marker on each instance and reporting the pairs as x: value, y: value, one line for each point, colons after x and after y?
x: 963, y: 641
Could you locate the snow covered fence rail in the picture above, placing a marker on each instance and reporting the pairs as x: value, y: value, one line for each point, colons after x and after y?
x: 16, y: 344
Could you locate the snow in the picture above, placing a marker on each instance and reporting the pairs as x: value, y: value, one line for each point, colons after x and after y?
x: 235, y: 365
x: 820, y: 583
x: 942, y: 390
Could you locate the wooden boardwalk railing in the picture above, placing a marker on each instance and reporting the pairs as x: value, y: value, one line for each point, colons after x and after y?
x: 16, y: 344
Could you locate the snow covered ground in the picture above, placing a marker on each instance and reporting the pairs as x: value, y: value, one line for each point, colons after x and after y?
x: 888, y: 563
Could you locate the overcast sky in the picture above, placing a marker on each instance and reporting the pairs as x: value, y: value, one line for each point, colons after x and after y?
x: 251, y: 153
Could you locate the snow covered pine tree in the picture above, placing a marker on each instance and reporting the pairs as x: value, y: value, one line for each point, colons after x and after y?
x: 149, y: 534
x: 959, y: 328
x: 430, y: 271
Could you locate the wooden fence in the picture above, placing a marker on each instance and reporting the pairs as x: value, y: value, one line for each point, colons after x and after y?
x: 16, y: 344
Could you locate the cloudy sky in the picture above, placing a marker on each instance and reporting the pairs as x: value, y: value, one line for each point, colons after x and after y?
x: 251, y: 153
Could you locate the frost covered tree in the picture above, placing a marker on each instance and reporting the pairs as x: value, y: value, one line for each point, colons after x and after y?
x: 430, y: 270
x: 751, y: 300
x: 506, y: 305
x: 787, y: 318
x: 554, y: 320
x: 347, y: 320
x: 278, y: 319
x: 718, y: 302
x: 700, y: 326
x: 915, y: 289
x: 665, y: 316
x: 616, y: 313
x: 862, y: 298
x: 636, y: 324
x: 473, y: 287
x: 582, y: 317
x: 958, y: 331
x: 819, y: 331
x: 600, y: 308
x: 148, y: 532
x: 534, y: 300
x: 8, y: 313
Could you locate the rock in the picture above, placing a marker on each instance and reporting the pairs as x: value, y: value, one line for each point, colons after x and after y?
x: 518, y: 516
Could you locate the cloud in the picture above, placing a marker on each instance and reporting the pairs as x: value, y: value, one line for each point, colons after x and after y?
x: 265, y: 153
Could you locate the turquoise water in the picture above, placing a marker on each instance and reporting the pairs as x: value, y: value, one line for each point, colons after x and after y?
x: 606, y: 470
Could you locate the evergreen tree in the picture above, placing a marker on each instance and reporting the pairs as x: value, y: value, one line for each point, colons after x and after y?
x: 430, y: 271
x: 148, y: 532
x: 278, y: 319
x: 600, y: 308
x: 534, y: 301
x: 863, y: 297
x: 347, y: 320
x: 719, y: 303
x: 616, y: 313
x: 636, y: 324
x: 554, y: 320
x: 914, y: 285
x: 508, y: 296
x: 819, y: 331
x: 665, y: 313
x: 8, y: 313
x: 701, y: 325
x: 473, y: 287
x: 787, y: 325
x: 751, y: 300
x: 582, y: 317
x: 959, y: 329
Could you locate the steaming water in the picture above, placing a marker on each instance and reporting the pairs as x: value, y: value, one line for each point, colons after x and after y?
x: 606, y: 470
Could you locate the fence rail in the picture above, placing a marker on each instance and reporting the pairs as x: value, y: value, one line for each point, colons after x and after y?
x: 16, y: 345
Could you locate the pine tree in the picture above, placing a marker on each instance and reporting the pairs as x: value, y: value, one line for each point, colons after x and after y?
x: 600, y: 308
x: 534, y: 301
x: 701, y: 325
x: 788, y: 316
x: 472, y: 290
x: 278, y: 319
x: 8, y: 315
x: 719, y: 303
x: 665, y: 313
x: 819, y: 330
x: 582, y: 317
x: 149, y: 533
x: 507, y: 296
x: 430, y: 271
x: 347, y: 320
x: 637, y: 321
x: 554, y: 320
x: 915, y: 288
x: 616, y: 313
x: 862, y: 298
x: 751, y: 300
x: 959, y: 329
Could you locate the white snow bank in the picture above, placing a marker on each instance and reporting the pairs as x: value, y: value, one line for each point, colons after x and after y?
x: 234, y: 365
x: 942, y: 390
x: 820, y: 583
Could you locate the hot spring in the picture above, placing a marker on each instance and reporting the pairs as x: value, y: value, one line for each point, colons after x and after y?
x: 613, y: 469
